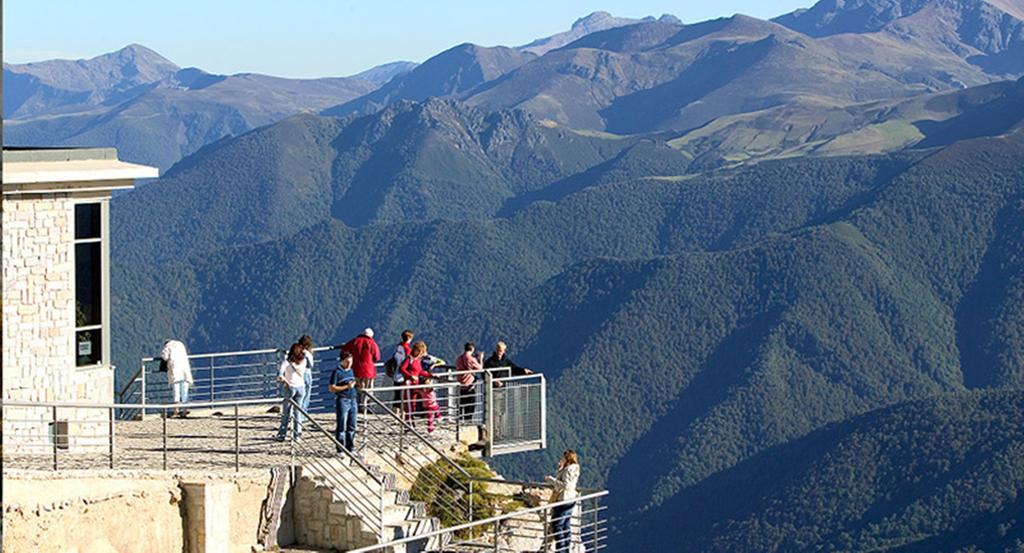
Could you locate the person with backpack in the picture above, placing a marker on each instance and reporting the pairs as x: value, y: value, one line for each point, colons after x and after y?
x: 393, y: 369
x: 365, y: 354
x: 174, y: 360
x: 290, y: 374
x: 307, y: 346
x: 343, y: 385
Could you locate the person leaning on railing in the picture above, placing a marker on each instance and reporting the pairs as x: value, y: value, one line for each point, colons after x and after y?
x: 564, y: 483
x: 290, y: 374
x: 174, y: 359
x: 500, y: 359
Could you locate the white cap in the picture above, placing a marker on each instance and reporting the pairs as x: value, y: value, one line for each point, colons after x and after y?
x: 368, y: 332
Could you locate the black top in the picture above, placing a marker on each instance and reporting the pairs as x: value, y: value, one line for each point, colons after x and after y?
x: 505, y: 361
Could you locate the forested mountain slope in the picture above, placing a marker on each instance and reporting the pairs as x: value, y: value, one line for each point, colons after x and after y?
x: 942, y: 474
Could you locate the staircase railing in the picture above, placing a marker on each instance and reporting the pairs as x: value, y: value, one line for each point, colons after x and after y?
x: 527, y: 529
x: 362, y: 487
x: 403, y: 449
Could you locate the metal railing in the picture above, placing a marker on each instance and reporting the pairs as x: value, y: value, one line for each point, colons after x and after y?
x: 527, y: 529
x: 51, y: 435
x: 407, y: 453
x: 361, y: 486
x: 509, y: 412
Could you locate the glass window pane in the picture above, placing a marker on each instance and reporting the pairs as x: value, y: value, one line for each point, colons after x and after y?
x: 88, y: 347
x: 88, y: 285
x: 87, y: 221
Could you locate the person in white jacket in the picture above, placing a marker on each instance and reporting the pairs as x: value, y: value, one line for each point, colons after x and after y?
x: 179, y: 373
x: 292, y: 375
x: 564, y: 484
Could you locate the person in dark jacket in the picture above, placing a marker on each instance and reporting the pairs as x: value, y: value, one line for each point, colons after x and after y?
x: 500, y: 359
x: 365, y: 353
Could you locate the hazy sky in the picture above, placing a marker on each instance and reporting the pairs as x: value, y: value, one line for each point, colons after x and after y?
x: 313, y: 38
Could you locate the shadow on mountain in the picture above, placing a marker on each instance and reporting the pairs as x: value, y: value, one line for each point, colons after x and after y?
x: 646, y: 109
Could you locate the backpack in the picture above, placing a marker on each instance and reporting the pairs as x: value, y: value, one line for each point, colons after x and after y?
x: 390, y: 366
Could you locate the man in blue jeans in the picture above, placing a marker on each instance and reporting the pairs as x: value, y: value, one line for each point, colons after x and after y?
x: 343, y: 385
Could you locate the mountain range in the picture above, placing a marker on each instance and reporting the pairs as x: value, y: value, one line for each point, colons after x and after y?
x: 772, y: 270
x: 605, y: 74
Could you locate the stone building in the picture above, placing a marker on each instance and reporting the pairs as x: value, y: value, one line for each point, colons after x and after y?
x: 56, y: 314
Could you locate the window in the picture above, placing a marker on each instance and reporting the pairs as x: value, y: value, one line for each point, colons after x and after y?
x: 88, y: 284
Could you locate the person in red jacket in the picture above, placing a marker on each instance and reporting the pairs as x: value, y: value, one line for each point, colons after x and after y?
x: 415, y: 374
x: 364, y: 354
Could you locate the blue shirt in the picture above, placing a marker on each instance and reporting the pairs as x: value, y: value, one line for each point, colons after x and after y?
x: 341, y: 376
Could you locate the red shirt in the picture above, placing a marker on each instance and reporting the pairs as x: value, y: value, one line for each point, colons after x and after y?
x: 364, y: 354
x: 413, y: 371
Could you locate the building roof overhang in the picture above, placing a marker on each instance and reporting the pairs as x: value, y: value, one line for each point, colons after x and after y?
x: 50, y: 171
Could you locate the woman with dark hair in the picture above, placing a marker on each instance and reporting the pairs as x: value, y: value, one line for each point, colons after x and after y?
x: 307, y: 377
x: 564, y: 484
x: 291, y: 374
x: 465, y: 368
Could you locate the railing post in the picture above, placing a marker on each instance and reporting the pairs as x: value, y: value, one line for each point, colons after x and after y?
x: 469, y: 508
x: 55, y: 437
x: 496, y: 535
x: 291, y: 447
x: 213, y: 382
x: 597, y: 514
x: 142, y: 375
x: 543, y: 412
x: 489, y: 413
x: 380, y: 505
x: 236, y: 440
x: 163, y: 418
x: 457, y: 389
x: 111, y: 438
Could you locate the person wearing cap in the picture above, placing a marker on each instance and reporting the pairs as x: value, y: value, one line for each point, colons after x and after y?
x: 365, y: 353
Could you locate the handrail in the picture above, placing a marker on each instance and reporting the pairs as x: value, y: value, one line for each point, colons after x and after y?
x: 415, y: 432
x: 196, y: 405
x: 482, y: 522
x: 337, y: 444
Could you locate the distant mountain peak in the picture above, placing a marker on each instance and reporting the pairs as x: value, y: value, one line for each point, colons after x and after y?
x: 591, y: 19
x: 594, y: 22
x: 830, y: 17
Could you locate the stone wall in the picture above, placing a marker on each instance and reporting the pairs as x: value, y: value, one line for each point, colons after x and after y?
x: 322, y: 521
x: 39, y: 321
x: 137, y: 511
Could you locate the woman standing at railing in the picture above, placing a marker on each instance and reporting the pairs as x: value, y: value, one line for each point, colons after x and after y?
x: 307, y: 377
x: 291, y: 374
x: 564, y: 483
x: 415, y: 374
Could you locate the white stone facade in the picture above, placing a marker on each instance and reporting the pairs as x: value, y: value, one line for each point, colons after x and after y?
x: 39, y: 306
x: 40, y: 191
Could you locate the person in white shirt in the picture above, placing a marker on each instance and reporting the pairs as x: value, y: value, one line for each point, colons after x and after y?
x: 307, y: 346
x: 291, y: 373
x: 564, y: 484
x: 179, y: 373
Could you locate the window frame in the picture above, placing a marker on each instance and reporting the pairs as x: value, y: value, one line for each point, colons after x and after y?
x: 104, y: 325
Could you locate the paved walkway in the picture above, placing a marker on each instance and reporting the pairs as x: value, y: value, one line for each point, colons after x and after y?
x: 203, y: 441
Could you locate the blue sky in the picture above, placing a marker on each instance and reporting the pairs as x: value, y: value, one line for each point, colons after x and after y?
x: 313, y: 38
